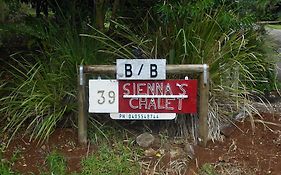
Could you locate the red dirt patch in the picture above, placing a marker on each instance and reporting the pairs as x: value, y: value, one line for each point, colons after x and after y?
x: 259, y: 151
x: 32, y: 156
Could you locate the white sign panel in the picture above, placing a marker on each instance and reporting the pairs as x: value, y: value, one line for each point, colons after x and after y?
x: 141, y: 69
x: 103, y: 96
x: 143, y: 116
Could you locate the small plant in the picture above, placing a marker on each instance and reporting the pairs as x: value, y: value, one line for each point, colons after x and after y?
x: 118, y: 160
x: 5, y: 167
x: 56, y: 163
x: 207, y: 169
x: 16, y: 155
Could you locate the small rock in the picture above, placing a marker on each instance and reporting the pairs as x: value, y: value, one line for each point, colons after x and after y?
x: 176, y: 152
x: 145, y: 140
x: 188, y: 148
x: 43, y: 147
x: 227, y: 129
x: 150, y: 152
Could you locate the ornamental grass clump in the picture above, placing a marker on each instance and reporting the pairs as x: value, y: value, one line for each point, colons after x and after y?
x: 37, y: 98
x: 40, y: 93
x: 202, y: 33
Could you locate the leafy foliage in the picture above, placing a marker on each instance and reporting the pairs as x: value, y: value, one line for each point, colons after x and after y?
x: 261, y: 9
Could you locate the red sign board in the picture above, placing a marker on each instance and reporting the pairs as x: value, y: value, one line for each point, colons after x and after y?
x: 164, y: 96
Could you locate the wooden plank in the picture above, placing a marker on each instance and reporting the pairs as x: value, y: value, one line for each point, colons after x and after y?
x: 171, y: 69
x: 203, y: 108
x: 100, y: 69
x: 268, y: 22
x: 82, y: 108
x: 185, y: 68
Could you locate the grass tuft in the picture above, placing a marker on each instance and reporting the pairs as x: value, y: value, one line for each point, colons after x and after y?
x: 56, y: 163
x: 118, y: 159
x: 38, y: 97
x: 207, y: 169
x: 6, y: 166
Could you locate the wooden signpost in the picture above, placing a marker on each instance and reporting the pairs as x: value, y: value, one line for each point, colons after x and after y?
x: 141, y: 92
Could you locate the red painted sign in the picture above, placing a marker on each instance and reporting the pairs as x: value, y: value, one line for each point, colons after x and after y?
x: 164, y: 96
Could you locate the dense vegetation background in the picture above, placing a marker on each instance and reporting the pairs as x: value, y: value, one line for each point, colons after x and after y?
x: 42, y: 42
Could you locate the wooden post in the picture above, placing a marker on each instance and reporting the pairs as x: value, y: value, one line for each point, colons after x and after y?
x: 82, y: 107
x: 203, y: 106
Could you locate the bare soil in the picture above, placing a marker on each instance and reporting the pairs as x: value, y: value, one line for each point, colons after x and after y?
x: 244, y: 151
x: 252, y: 151
x: 32, y: 155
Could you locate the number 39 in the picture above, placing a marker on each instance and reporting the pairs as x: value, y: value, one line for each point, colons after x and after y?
x: 110, y: 95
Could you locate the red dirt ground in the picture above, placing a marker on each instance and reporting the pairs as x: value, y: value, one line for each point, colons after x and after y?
x: 259, y: 151
x: 256, y: 153
x: 33, y: 155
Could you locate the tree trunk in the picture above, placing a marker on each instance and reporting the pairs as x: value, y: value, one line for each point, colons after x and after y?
x: 100, y: 14
x: 2, y: 11
x: 115, y: 8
